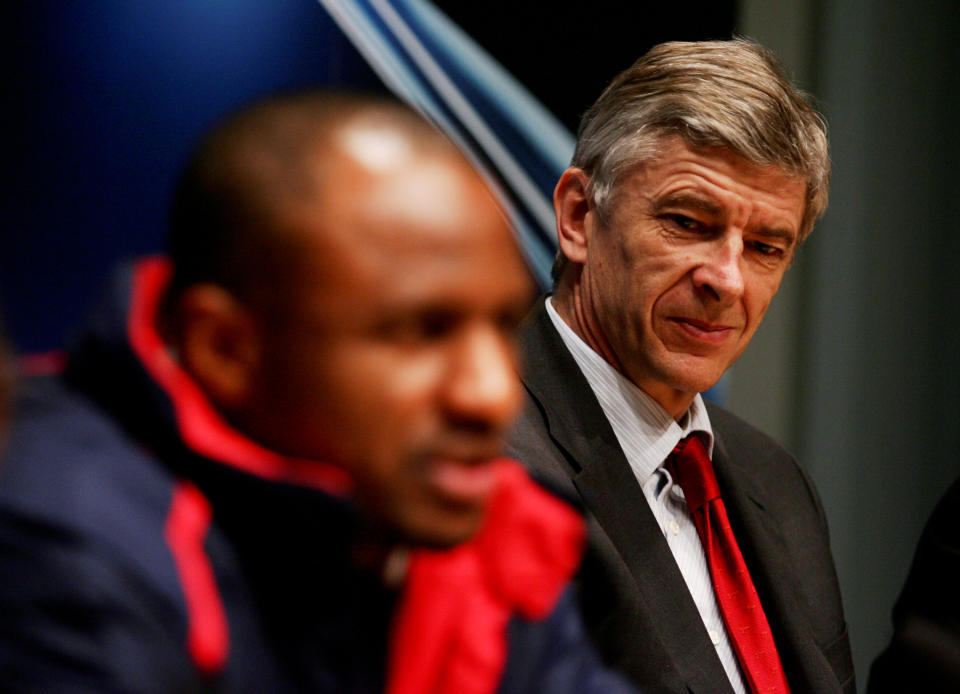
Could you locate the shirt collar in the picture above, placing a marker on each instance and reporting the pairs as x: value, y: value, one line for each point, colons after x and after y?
x: 646, y: 432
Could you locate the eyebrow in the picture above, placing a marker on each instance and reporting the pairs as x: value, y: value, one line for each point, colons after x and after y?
x: 690, y: 201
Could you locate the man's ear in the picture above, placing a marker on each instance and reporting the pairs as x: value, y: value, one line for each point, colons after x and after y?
x: 219, y: 344
x: 572, y: 207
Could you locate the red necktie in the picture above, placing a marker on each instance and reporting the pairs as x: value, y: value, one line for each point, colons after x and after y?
x: 690, y: 466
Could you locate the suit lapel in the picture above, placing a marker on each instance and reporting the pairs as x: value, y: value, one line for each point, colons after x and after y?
x: 611, y: 493
x: 761, y: 542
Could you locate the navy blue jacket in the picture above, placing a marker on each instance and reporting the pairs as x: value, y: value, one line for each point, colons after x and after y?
x: 145, y: 547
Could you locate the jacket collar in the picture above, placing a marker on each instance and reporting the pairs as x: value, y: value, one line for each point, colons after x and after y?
x: 202, y: 429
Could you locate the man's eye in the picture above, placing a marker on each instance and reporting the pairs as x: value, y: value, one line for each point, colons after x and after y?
x: 436, y: 324
x: 684, y: 222
x: 417, y: 328
x: 766, y: 249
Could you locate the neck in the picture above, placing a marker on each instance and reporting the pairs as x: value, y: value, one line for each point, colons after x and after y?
x: 373, y: 554
x: 568, y: 301
x: 675, y: 402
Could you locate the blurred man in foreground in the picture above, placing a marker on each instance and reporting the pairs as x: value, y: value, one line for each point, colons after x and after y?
x: 697, y: 174
x: 271, y: 464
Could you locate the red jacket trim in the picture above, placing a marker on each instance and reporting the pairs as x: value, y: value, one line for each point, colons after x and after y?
x: 201, y: 427
x: 48, y: 363
x: 449, y: 634
x: 188, y: 520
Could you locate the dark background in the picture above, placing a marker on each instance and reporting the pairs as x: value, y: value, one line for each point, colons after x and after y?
x: 566, y: 55
x: 106, y: 97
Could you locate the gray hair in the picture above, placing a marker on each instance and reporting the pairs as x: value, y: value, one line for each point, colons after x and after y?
x: 730, y: 94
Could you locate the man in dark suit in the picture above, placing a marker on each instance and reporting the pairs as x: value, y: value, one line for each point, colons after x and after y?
x: 697, y: 174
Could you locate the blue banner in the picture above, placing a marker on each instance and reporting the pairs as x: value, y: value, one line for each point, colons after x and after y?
x: 517, y: 144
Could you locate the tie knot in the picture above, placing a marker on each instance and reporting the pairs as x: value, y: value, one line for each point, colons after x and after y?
x: 690, y: 466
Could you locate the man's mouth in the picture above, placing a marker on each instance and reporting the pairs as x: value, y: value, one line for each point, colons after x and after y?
x: 462, y: 481
x: 703, y: 331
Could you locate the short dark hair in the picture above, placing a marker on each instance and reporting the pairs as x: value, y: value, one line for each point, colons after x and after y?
x: 226, y: 203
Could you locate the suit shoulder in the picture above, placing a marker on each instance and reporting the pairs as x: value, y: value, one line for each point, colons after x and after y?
x: 530, y: 443
x: 766, y: 461
x: 739, y: 433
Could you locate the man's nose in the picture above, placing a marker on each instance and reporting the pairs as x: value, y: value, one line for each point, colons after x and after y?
x: 720, y: 275
x: 482, y: 389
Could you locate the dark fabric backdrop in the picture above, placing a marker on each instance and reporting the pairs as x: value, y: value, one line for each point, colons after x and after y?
x: 106, y: 97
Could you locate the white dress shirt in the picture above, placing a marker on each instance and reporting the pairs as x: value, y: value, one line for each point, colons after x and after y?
x: 647, y: 434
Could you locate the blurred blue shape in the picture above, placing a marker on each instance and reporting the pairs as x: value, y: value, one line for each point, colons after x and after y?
x: 105, y: 100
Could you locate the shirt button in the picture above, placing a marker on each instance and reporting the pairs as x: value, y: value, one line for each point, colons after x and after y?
x: 674, y: 527
x: 714, y: 636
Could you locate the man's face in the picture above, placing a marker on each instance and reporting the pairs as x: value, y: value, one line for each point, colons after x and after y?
x: 395, y: 358
x: 695, y: 249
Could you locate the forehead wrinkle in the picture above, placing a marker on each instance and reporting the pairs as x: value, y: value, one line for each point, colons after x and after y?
x: 716, y: 199
x: 687, y: 200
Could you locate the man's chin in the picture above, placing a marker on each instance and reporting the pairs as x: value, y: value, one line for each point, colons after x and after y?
x: 691, y: 374
x: 443, y: 531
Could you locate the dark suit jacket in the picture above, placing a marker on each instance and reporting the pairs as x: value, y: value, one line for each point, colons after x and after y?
x: 635, y: 600
x: 924, y: 654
